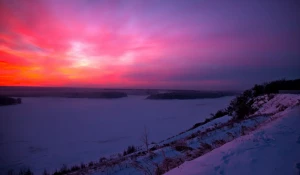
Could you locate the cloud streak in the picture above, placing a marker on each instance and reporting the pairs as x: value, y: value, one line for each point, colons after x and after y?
x: 157, y: 44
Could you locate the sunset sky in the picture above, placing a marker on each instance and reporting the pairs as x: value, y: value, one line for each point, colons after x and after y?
x: 192, y: 44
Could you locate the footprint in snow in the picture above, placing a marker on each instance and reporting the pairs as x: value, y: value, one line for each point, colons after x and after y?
x: 298, y: 167
x: 298, y: 141
x: 226, y: 157
x: 217, y: 168
x: 219, y: 171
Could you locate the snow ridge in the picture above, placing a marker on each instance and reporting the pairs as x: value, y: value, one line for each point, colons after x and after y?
x: 272, y: 149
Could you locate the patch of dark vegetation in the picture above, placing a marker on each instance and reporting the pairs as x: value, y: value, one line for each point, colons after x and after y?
x: 298, y: 166
x: 130, y: 149
x: 45, y: 172
x: 218, y: 143
x: 23, y: 171
x: 241, y: 106
x: 282, y: 108
x: 26, y: 171
x: 91, y: 164
x: 205, y: 146
x: 184, y: 95
x: 200, y: 123
x: 4, y: 100
x: 75, y: 168
x: 193, y: 135
x: 142, y: 153
x: 102, y: 160
x: 63, y: 170
x: 168, y: 164
x: 219, y: 113
x: 82, y: 166
x: 181, y: 146
x: 166, y: 144
x: 154, y: 148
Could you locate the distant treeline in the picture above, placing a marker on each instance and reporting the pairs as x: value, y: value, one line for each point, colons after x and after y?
x: 106, y: 95
x: 242, y: 105
x: 19, y: 91
x: 9, y: 101
x: 67, y: 94
x: 275, y: 86
x: 184, y: 95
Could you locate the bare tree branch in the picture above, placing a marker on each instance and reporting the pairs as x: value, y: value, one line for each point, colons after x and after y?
x: 145, y: 138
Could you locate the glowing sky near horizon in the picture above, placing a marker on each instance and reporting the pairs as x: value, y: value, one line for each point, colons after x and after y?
x: 194, y: 44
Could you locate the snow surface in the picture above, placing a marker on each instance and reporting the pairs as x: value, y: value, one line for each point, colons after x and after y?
x: 272, y: 149
x: 210, y: 124
x: 48, y: 132
x: 275, y: 104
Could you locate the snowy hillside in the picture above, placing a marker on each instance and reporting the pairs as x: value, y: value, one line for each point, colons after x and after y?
x: 273, y: 149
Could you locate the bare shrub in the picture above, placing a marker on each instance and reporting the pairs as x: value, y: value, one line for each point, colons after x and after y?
x: 189, y: 155
x: 205, y: 146
x: 91, y: 164
x: 82, y: 166
x: 25, y: 172
x: 45, y: 172
x: 168, y: 164
x: 154, y: 148
x: 64, y: 169
x: 141, y: 168
x: 75, y: 168
x: 219, y: 113
x: 218, y: 143
x: 152, y: 155
x: 130, y: 149
x: 282, y: 108
x: 102, y: 159
x: 243, y: 130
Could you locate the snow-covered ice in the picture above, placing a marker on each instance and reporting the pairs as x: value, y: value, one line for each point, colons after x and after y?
x: 272, y: 149
x: 48, y: 132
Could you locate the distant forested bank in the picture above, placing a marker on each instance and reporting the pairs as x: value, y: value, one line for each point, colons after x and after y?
x: 108, y: 93
x: 185, y: 95
x: 9, y: 101
x: 279, y: 86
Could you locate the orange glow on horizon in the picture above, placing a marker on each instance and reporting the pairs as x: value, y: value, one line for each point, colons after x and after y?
x: 111, y: 44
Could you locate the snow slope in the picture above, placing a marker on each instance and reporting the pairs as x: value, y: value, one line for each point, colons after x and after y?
x: 272, y: 149
x: 278, y: 103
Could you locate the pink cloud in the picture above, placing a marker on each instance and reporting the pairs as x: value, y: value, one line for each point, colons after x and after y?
x: 89, y: 43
